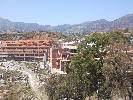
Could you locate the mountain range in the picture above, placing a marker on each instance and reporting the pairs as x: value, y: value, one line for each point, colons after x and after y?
x: 102, y: 25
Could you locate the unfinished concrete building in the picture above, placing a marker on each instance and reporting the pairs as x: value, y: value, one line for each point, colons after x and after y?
x: 25, y: 50
x: 37, y: 51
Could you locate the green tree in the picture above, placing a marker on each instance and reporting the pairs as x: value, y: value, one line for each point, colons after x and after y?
x: 99, y: 69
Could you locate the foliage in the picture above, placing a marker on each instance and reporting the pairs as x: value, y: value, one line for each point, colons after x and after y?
x: 29, y: 35
x: 99, y: 69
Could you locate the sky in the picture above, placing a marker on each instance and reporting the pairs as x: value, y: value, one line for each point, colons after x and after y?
x: 58, y: 12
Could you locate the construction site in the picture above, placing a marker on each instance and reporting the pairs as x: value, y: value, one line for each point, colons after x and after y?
x: 37, y: 51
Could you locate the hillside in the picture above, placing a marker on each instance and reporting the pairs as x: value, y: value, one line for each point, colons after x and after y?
x: 102, y: 25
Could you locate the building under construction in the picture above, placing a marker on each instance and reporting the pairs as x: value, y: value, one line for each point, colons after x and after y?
x: 25, y: 50
x: 37, y: 50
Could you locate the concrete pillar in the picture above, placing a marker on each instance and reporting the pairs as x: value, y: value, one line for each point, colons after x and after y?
x: 51, y: 58
x: 24, y: 56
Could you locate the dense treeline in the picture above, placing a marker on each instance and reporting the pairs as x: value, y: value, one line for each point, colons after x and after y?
x: 30, y: 35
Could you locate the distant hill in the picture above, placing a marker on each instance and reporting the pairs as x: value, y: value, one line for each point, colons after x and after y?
x: 102, y: 25
x: 123, y: 22
x: 8, y: 26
